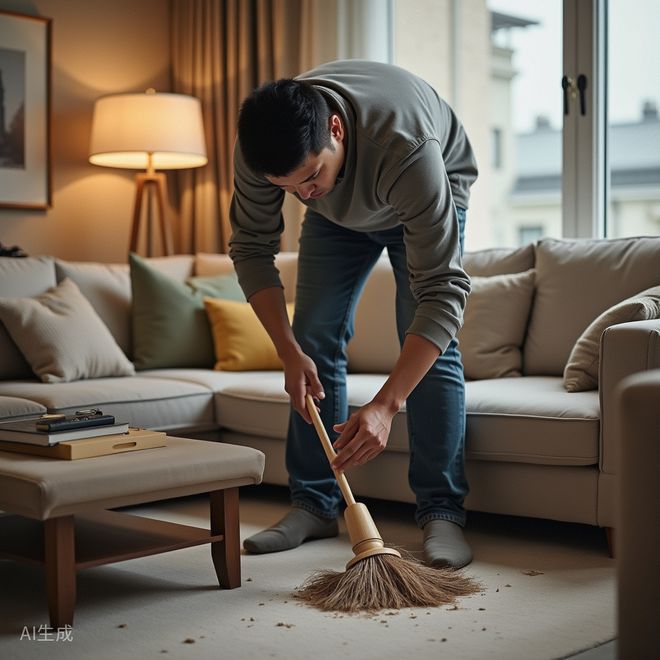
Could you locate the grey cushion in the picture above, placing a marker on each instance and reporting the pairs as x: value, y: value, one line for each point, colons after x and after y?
x: 62, y: 337
x: 576, y: 280
x: 581, y: 372
x: 12, y: 407
x: 499, y: 261
x: 147, y: 402
x: 21, y: 278
x: 530, y: 420
x: 494, y: 326
x: 108, y: 289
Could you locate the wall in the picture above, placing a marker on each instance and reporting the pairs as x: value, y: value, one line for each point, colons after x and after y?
x: 99, y: 47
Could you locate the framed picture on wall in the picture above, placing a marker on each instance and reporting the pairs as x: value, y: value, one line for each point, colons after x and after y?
x: 25, y: 45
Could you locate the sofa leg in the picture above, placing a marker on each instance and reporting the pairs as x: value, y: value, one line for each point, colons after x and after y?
x: 609, y: 532
x: 226, y: 554
x: 60, y: 564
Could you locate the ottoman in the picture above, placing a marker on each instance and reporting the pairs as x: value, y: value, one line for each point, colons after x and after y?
x: 59, y: 513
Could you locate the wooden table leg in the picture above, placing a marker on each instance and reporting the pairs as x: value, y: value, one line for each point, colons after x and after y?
x: 60, y: 564
x: 226, y: 554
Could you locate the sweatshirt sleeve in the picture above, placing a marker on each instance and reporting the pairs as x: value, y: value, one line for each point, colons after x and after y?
x: 255, y: 215
x: 419, y: 191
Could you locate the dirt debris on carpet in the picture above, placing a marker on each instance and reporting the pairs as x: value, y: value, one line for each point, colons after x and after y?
x: 532, y: 572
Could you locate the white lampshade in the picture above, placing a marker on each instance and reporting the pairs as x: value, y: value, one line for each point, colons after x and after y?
x: 127, y: 128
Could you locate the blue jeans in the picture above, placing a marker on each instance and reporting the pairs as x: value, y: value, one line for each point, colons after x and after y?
x: 333, y: 265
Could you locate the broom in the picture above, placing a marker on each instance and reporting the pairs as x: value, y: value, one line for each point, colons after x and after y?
x: 376, y: 577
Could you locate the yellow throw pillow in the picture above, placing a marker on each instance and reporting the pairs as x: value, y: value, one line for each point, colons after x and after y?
x: 241, y: 342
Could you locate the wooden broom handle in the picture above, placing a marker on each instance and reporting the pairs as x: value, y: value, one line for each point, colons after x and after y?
x: 329, y: 450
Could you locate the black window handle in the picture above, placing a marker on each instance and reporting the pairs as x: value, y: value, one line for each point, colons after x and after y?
x: 582, y: 86
x: 568, y: 85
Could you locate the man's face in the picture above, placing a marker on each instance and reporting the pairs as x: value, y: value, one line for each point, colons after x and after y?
x: 317, y: 176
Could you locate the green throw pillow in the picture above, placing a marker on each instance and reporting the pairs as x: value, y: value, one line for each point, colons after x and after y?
x: 170, y: 325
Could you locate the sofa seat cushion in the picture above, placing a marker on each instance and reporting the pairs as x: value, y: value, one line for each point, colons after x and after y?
x: 146, y: 402
x: 12, y: 407
x: 531, y: 420
x: 525, y: 420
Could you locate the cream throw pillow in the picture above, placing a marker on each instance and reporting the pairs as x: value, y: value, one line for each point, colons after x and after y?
x: 241, y: 342
x: 581, y: 371
x: 494, y: 326
x: 62, y: 337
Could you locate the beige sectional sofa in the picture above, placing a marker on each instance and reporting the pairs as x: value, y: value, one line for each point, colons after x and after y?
x: 533, y: 449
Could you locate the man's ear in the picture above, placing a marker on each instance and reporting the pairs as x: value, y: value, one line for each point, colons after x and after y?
x: 336, y: 127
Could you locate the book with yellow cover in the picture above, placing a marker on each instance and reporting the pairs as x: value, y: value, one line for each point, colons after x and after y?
x: 70, y: 450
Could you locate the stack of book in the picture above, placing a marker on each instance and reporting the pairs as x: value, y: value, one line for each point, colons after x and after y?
x: 84, y: 434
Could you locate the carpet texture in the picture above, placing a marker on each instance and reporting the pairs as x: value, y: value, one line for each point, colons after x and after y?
x: 549, y: 592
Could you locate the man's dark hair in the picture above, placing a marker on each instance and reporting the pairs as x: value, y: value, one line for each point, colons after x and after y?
x: 280, y: 124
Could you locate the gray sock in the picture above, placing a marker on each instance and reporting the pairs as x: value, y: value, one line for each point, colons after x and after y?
x: 296, y: 527
x: 445, y: 545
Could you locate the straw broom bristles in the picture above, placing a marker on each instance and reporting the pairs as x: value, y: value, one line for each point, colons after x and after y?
x: 377, y: 577
x: 385, y: 582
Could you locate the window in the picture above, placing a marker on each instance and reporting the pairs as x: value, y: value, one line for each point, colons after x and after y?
x: 496, y: 148
x: 498, y: 64
x: 530, y: 234
x: 633, y: 124
x: 560, y: 100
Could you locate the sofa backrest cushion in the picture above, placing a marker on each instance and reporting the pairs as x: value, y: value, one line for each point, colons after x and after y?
x: 108, y: 289
x: 21, y: 278
x: 285, y: 262
x: 375, y: 346
x: 576, y: 280
x: 494, y: 326
x: 499, y: 261
x: 62, y: 337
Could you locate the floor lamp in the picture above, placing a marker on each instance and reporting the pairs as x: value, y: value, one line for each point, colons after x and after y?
x: 150, y: 131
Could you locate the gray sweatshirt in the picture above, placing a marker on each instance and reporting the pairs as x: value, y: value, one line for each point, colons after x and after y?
x: 408, y: 161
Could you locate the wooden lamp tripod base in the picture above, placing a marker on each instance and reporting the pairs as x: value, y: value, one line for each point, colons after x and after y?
x: 151, y: 182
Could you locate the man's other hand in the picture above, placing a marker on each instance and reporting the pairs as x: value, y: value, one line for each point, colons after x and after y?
x: 363, y: 436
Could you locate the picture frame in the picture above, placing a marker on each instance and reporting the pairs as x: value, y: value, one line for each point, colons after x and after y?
x: 25, y: 111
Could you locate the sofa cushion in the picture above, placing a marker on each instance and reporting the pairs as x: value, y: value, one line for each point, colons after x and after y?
x: 285, y: 262
x: 240, y: 341
x: 21, y: 278
x: 499, y: 261
x: 375, y: 347
x: 530, y: 420
x: 62, y: 337
x: 170, y: 327
x: 494, y: 326
x: 147, y: 402
x: 576, y: 280
x: 581, y: 372
x: 12, y: 407
x: 108, y: 289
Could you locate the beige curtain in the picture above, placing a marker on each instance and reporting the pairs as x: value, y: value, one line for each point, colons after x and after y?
x: 221, y: 51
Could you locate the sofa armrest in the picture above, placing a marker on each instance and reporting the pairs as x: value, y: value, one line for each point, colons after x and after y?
x: 625, y: 349
x: 638, y: 500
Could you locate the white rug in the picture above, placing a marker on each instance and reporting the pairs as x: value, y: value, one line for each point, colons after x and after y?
x: 169, y: 606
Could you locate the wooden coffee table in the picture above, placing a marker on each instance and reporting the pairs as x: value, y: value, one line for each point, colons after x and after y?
x: 60, y: 513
